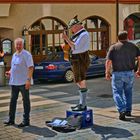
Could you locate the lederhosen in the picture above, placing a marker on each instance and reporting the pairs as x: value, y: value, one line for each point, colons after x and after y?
x: 80, y: 62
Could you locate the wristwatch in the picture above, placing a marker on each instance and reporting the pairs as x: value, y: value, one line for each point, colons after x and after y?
x: 28, y: 79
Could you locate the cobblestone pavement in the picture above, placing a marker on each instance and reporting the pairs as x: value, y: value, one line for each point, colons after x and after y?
x: 52, y: 100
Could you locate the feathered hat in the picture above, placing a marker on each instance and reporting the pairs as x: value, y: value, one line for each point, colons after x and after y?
x: 74, y: 21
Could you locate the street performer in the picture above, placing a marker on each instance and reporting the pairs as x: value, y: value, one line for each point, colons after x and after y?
x: 79, y: 43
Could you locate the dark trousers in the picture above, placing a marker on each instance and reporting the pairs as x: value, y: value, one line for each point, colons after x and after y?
x: 13, y: 102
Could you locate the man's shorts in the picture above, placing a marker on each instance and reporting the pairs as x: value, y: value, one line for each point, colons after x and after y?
x: 80, y: 63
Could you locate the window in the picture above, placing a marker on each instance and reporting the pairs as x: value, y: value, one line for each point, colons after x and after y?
x: 98, y: 29
x: 7, y: 46
x: 46, y: 36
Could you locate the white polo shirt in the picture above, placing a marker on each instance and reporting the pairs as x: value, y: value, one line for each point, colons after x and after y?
x: 19, y: 67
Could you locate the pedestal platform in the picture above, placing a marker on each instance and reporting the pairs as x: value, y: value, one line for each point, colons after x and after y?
x: 87, y: 117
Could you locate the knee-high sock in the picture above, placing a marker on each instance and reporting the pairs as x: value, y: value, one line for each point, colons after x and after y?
x: 83, y: 95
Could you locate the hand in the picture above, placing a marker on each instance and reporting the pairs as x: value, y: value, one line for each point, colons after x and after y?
x: 138, y: 74
x: 62, y: 46
x: 108, y: 76
x: 7, y: 74
x: 27, y: 84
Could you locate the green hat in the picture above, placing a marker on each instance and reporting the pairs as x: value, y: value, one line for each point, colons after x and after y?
x: 73, y: 22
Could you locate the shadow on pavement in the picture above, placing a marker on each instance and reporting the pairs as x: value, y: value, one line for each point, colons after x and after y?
x: 133, y: 119
x: 108, y: 132
x: 45, y: 132
x: 136, y: 119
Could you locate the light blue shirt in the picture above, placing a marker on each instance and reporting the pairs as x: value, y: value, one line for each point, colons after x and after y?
x: 81, y: 43
x: 19, y: 67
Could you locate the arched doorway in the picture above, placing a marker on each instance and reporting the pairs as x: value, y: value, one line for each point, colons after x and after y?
x: 45, y: 37
x: 132, y: 26
x: 98, y: 29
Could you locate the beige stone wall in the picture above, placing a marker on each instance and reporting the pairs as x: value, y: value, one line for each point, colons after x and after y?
x: 4, y: 10
x: 106, y: 11
x: 19, y: 15
x: 26, y: 14
x: 15, y: 16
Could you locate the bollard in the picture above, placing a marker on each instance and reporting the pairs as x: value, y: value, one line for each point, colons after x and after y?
x: 2, y: 75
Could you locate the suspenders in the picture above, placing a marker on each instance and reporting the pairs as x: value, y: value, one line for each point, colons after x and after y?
x: 76, y: 35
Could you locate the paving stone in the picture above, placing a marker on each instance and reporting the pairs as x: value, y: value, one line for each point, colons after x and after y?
x: 106, y: 125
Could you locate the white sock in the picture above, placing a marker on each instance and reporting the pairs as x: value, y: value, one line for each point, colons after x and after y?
x: 83, y: 95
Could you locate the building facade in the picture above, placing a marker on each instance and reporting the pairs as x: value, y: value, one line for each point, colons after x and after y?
x: 41, y: 25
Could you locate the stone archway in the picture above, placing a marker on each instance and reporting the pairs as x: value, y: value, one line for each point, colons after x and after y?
x: 132, y: 26
x: 45, y: 36
x: 98, y: 29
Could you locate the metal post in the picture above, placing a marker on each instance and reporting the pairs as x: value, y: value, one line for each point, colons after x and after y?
x: 117, y: 18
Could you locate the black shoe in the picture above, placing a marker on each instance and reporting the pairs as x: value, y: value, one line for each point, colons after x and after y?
x: 9, y: 122
x: 79, y: 108
x: 122, y: 116
x: 75, y: 106
x: 128, y: 113
x: 23, y: 124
